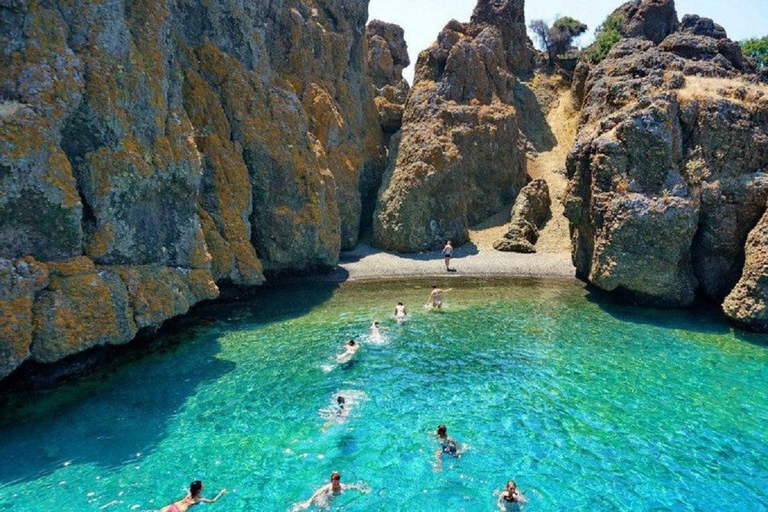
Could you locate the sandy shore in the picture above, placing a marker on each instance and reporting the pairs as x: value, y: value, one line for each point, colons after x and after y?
x: 366, y: 262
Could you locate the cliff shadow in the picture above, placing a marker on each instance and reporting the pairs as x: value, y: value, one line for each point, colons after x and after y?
x: 533, y: 120
x: 125, y: 409
x: 111, y: 418
x: 703, y: 317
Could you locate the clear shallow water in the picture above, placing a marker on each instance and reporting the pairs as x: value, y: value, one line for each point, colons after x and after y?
x: 587, y: 406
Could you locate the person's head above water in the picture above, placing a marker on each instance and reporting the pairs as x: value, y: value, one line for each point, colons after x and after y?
x: 340, y: 400
x: 351, y: 343
x: 511, y: 485
x: 442, y: 431
x: 399, y: 303
x: 195, y: 488
x: 335, y: 477
x: 376, y: 323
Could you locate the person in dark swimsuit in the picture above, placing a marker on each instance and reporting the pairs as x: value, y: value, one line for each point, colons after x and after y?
x: 447, y: 445
x: 511, y: 497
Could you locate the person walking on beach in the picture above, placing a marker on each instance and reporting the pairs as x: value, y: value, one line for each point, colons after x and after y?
x: 447, y: 255
x: 192, y: 498
x: 436, y: 297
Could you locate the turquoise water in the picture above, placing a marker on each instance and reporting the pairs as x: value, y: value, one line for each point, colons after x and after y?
x: 587, y: 406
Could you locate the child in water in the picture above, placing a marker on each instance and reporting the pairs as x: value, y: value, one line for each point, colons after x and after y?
x: 447, y: 445
x: 400, y: 312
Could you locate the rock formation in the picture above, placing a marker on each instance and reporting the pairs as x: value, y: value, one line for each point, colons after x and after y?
x: 149, y: 150
x: 529, y: 214
x: 460, y: 156
x: 668, y: 173
x: 387, y: 58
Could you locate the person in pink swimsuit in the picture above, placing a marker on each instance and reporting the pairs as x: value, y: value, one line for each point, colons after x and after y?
x: 192, y: 498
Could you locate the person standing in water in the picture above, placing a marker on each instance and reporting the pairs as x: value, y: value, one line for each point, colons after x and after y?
x: 400, y: 312
x: 447, y: 255
x: 511, y: 498
x: 323, y: 495
x: 447, y: 445
x: 192, y: 498
x: 436, y: 297
x: 351, y: 349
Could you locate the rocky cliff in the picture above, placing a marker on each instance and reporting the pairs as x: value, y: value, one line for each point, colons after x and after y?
x: 668, y: 174
x: 459, y: 157
x: 152, y: 149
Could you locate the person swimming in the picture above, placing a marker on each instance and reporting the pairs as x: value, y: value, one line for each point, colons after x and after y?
x: 192, y: 498
x: 351, y: 349
x: 375, y: 327
x: 436, y: 297
x: 448, y: 445
x: 323, y: 495
x: 511, y: 496
x: 340, y: 403
x: 400, y: 312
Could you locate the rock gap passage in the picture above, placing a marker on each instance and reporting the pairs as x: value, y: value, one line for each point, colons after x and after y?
x: 153, y: 153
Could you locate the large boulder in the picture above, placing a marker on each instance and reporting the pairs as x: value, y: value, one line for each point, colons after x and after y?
x: 460, y: 156
x: 649, y: 19
x: 667, y: 175
x: 529, y: 214
x: 747, y: 304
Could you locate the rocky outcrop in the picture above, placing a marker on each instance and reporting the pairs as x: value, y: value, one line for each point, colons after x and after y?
x: 460, y: 156
x: 648, y: 19
x: 747, y: 304
x: 668, y: 173
x: 149, y: 150
x: 387, y: 58
x: 529, y: 214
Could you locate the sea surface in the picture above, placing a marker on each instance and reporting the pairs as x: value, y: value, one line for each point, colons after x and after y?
x: 587, y: 405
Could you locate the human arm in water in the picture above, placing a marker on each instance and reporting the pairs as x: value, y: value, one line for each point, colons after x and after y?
x: 214, y: 500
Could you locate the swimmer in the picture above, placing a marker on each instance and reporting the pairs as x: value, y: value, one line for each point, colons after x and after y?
x: 351, y: 349
x: 375, y: 328
x: 509, y: 497
x: 436, y: 297
x: 323, y: 495
x: 400, y: 312
x: 339, y: 414
x: 192, y: 498
x: 447, y: 445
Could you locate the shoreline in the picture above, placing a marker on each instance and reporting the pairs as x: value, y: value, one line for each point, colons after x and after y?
x: 366, y: 263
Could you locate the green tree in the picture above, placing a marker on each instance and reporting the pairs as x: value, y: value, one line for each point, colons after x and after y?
x: 558, y: 39
x: 610, y: 32
x: 756, y: 49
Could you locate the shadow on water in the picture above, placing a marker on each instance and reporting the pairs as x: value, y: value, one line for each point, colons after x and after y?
x: 703, y: 317
x: 110, y: 417
x: 124, y: 408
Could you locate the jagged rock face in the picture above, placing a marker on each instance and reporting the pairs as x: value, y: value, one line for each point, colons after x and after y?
x: 159, y: 147
x: 747, y: 304
x: 459, y: 158
x: 529, y: 214
x: 509, y: 17
x: 649, y: 19
x: 387, y: 57
x: 668, y: 173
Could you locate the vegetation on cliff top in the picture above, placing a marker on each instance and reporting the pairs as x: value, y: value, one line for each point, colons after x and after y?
x: 610, y: 32
x: 756, y: 49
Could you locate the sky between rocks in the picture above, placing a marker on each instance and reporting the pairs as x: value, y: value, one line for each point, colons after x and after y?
x: 423, y: 19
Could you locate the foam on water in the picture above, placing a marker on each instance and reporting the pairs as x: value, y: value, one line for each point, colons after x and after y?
x: 587, y: 406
